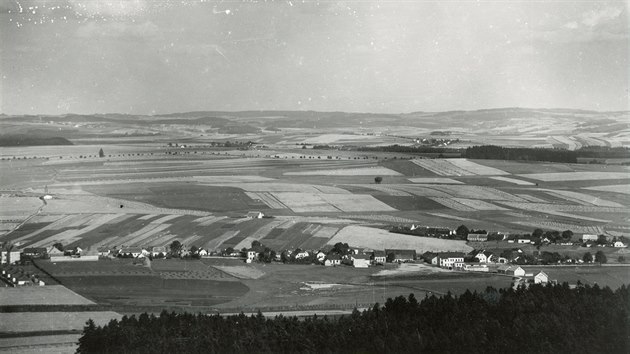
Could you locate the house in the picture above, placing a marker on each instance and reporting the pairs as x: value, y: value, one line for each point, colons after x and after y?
x: 34, y: 252
x: 320, y: 256
x: 255, y: 215
x: 401, y: 255
x: 589, y: 237
x: 332, y: 260
x: 135, y: 252
x: 103, y: 251
x: 379, y: 257
x: 451, y: 260
x: 12, y: 256
x: 476, y: 268
x: 157, y: 251
x: 251, y: 255
x: 484, y: 257
x: 202, y: 252
x: 360, y: 261
x: 541, y: 278
x: 54, y: 251
x: 524, y: 240
x: 515, y: 271
x: 301, y: 255
x: 477, y: 237
x: 619, y: 244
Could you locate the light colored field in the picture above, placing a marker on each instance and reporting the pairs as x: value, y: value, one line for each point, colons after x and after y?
x: 242, y: 272
x: 378, y: 239
x: 616, y: 188
x: 520, y: 182
x: 576, y: 176
x: 478, y: 204
x: 52, y: 321
x: 41, y: 295
x: 232, y: 179
x: 410, y: 268
x: 284, y: 187
x: 476, y: 192
x: 559, y: 226
x: 260, y: 233
x: 436, y: 180
x: 382, y: 218
x: 309, y: 202
x: 331, y: 138
x: 326, y: 232
x: 531, y: 198
x: 441, y: 167
x: 210, y: 220
x: 305, y: 202
x: 389, y: 189
x: 366, y: 171
x: 581, y: 198
x: 544, y: 207
x: 18, y: 207
x: 476, y: 168
x: 446, y: 216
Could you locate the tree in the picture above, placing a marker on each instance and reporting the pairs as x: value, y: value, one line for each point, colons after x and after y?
x: 462, y: 231
x: 621, y: 259
x: 567, y: 234
x: 58, y: 246
x: 378, y: 179
x: 101, y: 153
x: 256, y: 243
x: 175, y: 247
x: 588, y: 257
x: 538, y: 233
x: 229, y: 250
x: 194, y: 249
x: 601, y: 240
x: 600, y: 257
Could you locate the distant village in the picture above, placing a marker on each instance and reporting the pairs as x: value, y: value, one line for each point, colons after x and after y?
x: 508, y: 261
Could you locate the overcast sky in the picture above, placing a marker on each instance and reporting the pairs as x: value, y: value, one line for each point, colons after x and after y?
x: 145, y: 57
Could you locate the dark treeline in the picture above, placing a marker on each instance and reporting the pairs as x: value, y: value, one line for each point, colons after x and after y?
x: 27, y: 140
x: 539, y: 319
x: 492, y: 152
x: 411, y: 149
x: 603, y: 152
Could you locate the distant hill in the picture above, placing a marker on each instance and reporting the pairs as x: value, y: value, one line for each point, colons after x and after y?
x: 27, y: 140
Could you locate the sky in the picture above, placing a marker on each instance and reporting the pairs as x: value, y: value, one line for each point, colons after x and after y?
x: 153, y: 57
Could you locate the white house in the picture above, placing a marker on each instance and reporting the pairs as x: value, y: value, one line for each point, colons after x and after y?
x: 484, y: 257
x: 301, y: 255
x: 541, y: 278
x: 14, y: 256
x: 155, y: 251
x: 589, y: 237
x: 451, y: 260
x: 251, y: 255
x: 202, y: 252
x: 477, y: 237
x: 476, y: 268
x: 524, y: 240
x: 360, y: 261
x: 320, y: 256
x: 379, y: 257
x: 135, y: 252
x: 332, y: 260
x: 515, y: 271
x: 619, y: 244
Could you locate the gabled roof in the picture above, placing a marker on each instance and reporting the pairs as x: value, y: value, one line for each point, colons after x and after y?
x: 131, y: 250
x: 380, y: 254
x: 334, y: 257
x: 361, y: 256
x: 451, y: 255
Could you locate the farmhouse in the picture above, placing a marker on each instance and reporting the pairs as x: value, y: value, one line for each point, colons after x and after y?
x: 451, y: 260
x: 589, y: 237
x: 34, y: 252
x: 514, y: 271
x: 476, y: 268
x: 332, y: 260
x: 12, y: 256
x: 156, y: 251
x: 301, y: 255
x: 135, y: 252
x: 484, y: 256
x: 524, y: 240
x: 360, y: 261
x: 379, y: 257
x: 541, y: 278
x: 401, y: 256
x: 54, y: 251
x: 619, y: 244
x: 103, y: 251
x: 477, y: 237
x: 320, y: 256
x: 255, y: 215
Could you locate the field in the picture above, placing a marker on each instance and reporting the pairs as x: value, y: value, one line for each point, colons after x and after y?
x: 179, y: 185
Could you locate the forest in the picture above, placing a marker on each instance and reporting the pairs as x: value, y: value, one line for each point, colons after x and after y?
x: 491, y: 152
x: 536, y: 319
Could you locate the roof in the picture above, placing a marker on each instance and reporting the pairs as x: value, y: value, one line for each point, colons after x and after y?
x: 361, y: 256
x: 451, y: 255
x: 334, y: 257
x: 401, y: 253
x: 131, y: 250
x: 254, y: 213
x: 380, y: 254
x: 542, y: 273
x: 504, y: 267
x: 34, y: 250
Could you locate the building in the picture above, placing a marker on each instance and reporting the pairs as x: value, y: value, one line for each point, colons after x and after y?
x: 401, y: 255
x: 477, y: 237
x: 484, y: 256
x: 451, y: 260
x: 524, y: 240
x: 476, y: 268
x: 515, y: 271
x: 255, y: 215
x: 12, y: 256
x: 379, y: 257
x: 541, y: 278
x: 156, y: 251
x: 320, y: 256
x: 619, y: 244
x: 589, y: 237
x: 34, y: 252
x: 135, y: 252
x: 103, y: 251
x: 332, y: 260
x: 360, y: 261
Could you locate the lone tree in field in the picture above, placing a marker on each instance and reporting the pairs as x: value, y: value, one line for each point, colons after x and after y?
x: 101, y: 153
x: 378, y: 180
x: 600, y: 257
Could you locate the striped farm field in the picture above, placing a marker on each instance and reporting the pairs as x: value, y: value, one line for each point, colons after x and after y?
x: 519, y: 182
x: 365, y: 171
x: 41, y: 295
x: 576, y: 176
x: 617, y: 188
x: 457, y: 167
x: 17, y: 322
x: 438, y: 180
x: 584, y: 199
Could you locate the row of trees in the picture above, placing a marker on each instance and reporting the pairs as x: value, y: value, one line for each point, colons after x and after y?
x: 538, y: 319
